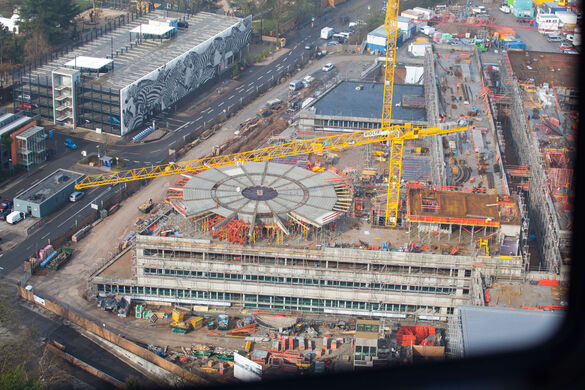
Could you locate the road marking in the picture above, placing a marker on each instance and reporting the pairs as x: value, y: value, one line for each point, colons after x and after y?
x: 249, y: 89
x: 198, y: 119
x: 179, y: 128
x: 231, y: 97
x: 260, y: 77
x: 136, y: 161
x: 220, y: 104
x: 269, y: 70
x: 210, y: 111
x: 45, y: 236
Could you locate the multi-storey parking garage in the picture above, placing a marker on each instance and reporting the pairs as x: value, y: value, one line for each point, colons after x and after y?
x: 119, y: 81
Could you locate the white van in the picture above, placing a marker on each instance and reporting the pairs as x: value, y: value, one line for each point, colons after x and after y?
x: 74, y: 197
x: 14, y: 217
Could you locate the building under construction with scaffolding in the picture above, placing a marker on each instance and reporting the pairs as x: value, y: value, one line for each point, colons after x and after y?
x: 251, y: 246
x: 535, y: 108
x: 264, y: 199
x: 290, y: 235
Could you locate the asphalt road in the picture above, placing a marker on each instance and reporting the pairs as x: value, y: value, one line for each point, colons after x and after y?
x: 191, y: 116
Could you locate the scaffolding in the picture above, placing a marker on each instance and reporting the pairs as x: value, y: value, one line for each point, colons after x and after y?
x: 540, y: 202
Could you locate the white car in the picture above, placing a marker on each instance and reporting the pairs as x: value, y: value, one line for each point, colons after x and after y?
x: 327, y: 67
x: 505, y: 9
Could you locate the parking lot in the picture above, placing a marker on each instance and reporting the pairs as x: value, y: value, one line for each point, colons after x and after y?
x: 530, y: 35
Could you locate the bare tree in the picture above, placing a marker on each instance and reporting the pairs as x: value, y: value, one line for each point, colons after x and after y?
x: 36, y: 45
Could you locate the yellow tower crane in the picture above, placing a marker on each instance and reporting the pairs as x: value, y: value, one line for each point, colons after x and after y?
x: 396, y: 135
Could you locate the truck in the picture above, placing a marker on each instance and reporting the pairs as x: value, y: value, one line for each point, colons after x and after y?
x: 62, y: 257
x: 295, y: 85
x: 326, y: 32
x: 146, y: 206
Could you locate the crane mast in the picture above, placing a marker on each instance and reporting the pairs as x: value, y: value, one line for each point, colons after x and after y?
x: 395, y: 168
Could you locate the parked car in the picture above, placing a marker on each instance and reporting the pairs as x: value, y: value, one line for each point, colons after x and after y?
x: 332, y: 43
x: 4, y: 214
x: 554, y: 38
x: 70, y: 144
x: 570, y: 52
x: 566, y: 46
x: 505, y: 9
x: 75, y: 196
x: 183, y: 24
x: 327, y: 67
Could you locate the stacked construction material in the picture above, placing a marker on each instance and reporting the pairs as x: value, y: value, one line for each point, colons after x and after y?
x: 415, y: 335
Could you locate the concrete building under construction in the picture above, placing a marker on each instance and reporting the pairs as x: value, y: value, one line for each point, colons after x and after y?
x: 329, y: 280
x: 232, y: 205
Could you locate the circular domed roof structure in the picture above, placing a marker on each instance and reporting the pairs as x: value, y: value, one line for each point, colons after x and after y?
x: 263, y: 193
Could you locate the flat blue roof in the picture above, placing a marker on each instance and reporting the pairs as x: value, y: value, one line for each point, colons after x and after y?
x: 345, y: 100
x: 498, y: 329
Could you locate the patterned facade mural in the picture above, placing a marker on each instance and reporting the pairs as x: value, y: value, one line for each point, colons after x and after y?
x: 181, y: 76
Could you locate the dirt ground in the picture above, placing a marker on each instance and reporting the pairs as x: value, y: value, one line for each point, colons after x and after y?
x: 103, y: 16
x: 516, y: 294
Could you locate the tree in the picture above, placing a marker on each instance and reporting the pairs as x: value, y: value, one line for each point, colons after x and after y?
x: 243, y: 7
x: 304, y: 8
x: 36, y: 45
x: 15, y: 378
x: 236, y: 71
x: 279, y: 12
x: 51, y: 17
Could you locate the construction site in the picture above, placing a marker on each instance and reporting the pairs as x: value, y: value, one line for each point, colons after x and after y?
x: 336, y: 241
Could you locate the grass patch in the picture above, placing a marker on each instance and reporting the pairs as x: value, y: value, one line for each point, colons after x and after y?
x: 84, y: 4
x: 267, y: 25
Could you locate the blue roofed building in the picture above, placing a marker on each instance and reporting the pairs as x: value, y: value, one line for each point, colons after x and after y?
x: 353, y: 106
x: 481, y: 330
